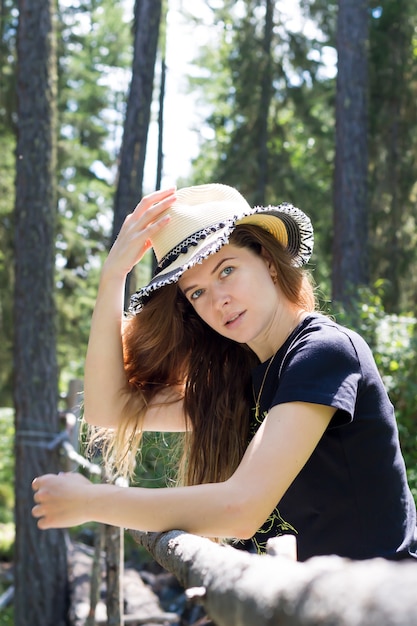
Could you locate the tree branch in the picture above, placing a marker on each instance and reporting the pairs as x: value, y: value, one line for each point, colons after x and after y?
x: 246, y: 589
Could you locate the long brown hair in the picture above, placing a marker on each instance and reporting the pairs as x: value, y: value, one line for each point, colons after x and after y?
x: 167, y: 344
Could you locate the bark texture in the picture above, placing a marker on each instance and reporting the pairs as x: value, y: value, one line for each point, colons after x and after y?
x: 41, y: 597
x: 135, y: 132
x: 350, y: 237
x: 241, y: 589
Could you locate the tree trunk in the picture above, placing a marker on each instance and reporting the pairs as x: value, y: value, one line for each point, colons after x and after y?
x: 40, y: 557
x: 266, y: 94
x: 160, y: 153
x: 350, y: 237
x: 135, y: 133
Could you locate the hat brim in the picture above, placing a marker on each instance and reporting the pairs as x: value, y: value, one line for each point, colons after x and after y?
x: 211, y: 244
x: 290, y: 226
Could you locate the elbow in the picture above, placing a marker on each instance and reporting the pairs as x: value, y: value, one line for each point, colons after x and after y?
x: 99, y: 414
x: 243, y: 534
x: 246, y: 530
x: 241, y: 524
x: 245, y: 515
x: 99, y: 418
x: 88, y: 418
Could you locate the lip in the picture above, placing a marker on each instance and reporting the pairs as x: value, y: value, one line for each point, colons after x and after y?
x: 233, y: 320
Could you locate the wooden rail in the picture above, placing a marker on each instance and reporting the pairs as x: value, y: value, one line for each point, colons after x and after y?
x: 241, y: 589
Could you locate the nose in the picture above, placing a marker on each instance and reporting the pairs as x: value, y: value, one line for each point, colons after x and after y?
x: 220, y: 297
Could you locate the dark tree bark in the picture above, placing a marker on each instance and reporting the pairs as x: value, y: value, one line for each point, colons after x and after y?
x: 350, y: 237
x: 266, y: 95
x: 135, y: 133
x: 40, y: 557
x: 160, y: 154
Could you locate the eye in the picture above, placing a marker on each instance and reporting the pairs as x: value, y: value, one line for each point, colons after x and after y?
x: 227, y: 271
x: 196, y: 294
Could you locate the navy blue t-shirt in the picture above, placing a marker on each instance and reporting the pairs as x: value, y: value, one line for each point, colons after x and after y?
x: 351, y: 498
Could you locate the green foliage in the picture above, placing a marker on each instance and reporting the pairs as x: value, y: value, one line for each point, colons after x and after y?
x: 364, y: 313
x: 7, y: 615
x: 6, y: 465
x: 7, y: 147
x: 300, y: 116
x: 8, y: 21
x: 94, y: 46
x: 397, y: 359
x: 7, y: 527
x: 301, y: 123
x: 157, y: 460
x: 393, y: 339
x: 392, y: 141
x: 7, y: 538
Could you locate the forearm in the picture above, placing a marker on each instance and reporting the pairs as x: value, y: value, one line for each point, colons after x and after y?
x: 212, y: 510
x: 209, y: 510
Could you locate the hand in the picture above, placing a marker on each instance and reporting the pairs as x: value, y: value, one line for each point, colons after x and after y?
x: 61, y: 500
x: 136, y: 233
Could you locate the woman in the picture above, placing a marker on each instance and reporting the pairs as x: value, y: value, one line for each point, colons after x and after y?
x: 288, y: 426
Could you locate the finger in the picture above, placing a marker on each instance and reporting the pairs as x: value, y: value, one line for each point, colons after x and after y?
x: 158, y: 196
x: 36, y: 484
x: 149, y: 232
x: 37, y: 511
x: 153, y: 228
x: 43, y: 524
x: 39, y: 481
x: 154, y: 203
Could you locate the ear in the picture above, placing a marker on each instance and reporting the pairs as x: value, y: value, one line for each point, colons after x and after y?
x: 269, y: 263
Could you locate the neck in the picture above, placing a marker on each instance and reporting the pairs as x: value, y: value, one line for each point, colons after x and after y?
x: 279, y: 333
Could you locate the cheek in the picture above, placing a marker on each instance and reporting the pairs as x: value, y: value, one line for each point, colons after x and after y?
x: 202, y: 310
x: 261, y: 283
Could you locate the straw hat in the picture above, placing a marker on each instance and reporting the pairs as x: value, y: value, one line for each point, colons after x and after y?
x: 202, y: 220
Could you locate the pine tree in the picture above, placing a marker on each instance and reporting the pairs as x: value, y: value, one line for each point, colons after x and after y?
x: 40, y: 558
x: 351, y: 215
x: 132, y: 159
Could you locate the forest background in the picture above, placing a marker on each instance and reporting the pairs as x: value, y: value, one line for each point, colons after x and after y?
x: 271, y: 116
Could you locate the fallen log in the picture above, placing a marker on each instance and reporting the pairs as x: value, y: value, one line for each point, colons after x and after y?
x: 241, y: 589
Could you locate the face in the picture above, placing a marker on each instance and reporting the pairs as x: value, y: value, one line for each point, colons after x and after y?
x: 233, y: 292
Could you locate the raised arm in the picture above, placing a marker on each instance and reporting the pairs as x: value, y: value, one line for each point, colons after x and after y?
x: 104, y: 374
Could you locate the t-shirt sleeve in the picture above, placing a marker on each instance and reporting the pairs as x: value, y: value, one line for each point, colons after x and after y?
x: 322, y: 368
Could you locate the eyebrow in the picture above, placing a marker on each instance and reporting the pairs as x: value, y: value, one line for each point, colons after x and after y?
x: 213, y: 271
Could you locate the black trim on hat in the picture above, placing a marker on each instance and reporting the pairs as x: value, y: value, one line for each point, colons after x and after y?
x: 191, y: 240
